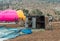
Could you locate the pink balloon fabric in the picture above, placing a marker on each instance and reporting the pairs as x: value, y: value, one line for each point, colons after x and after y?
x: 8, y: 15
x: 0, y: 11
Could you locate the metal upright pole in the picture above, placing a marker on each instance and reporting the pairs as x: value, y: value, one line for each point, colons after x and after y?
x: 26, y: 23
x: 33, y: 22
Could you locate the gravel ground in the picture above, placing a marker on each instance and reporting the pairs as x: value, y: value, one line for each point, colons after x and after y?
x: 48, y: 35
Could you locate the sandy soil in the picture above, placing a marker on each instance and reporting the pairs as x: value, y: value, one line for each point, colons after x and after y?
x: 48, y: 35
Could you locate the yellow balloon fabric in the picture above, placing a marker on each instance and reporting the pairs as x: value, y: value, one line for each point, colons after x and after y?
x: 21, y: 15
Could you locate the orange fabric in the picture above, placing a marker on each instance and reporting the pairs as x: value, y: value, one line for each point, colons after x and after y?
x: 21, y: 15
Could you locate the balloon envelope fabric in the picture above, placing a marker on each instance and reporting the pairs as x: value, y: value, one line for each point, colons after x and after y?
x: 8, y: 15
x: 26, y: 31
x: 10, y: 33
x: 21, y: 15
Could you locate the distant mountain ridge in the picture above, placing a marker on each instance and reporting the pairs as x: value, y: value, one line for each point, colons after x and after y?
x: 44, y: 5
x: 34, y: 0
x: 48, y: 1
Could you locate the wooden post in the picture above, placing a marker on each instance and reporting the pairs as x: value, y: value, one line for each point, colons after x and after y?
x: 46, y: 22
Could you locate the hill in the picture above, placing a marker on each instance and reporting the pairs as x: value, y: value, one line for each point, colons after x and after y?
x: 46, y: 6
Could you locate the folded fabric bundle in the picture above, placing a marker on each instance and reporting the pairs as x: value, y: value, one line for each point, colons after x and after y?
x: 8, y: 15
x: 6, y: 32
x: 12, y: 35
x: 9, y: 33
x: 12, y: 15
x: 26, y: 31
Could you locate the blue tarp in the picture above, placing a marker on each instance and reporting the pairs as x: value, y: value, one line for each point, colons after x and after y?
x: 26, y: 31
x: 13, y: 32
